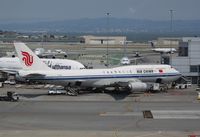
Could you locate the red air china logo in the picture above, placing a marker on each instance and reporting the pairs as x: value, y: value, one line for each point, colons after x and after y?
x: 27, y: 58
x: 160, y: 70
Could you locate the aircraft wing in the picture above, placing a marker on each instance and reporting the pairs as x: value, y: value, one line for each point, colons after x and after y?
x: 9, y: 71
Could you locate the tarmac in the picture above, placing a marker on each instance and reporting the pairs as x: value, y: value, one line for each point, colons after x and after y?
x: 175, y: 113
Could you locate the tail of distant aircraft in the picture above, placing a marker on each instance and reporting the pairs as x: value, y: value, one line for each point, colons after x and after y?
x: 152, y: 44
x: 28, y: 59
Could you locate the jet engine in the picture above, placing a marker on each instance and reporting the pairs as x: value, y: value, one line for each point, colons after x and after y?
x: 137, y: 86
x: 19, y: 78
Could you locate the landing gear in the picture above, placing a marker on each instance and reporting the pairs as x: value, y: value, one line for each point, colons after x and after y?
x: 72, y: 91
x: 159, y: 80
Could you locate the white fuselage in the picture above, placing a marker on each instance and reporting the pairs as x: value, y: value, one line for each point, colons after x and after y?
x: 14, y: 63
x: 164, y: 50
x: 104, y: 77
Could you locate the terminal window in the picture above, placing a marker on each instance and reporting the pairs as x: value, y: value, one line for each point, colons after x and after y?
x: 183, y: 49
x: 193, y: 68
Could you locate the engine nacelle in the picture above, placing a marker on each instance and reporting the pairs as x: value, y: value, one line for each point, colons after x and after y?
x: 137, y: 86
x: 19, y: 78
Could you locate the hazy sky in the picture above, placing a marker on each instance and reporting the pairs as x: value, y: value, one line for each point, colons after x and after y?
x: 15, y: 10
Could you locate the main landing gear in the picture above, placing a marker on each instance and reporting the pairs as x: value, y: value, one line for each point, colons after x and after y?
x: 72, y: 91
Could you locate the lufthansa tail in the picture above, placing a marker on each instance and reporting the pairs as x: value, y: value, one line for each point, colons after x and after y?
x: 28, y: 59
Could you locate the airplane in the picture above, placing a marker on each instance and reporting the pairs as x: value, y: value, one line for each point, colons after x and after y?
x: 122, y: 61
x: 14, y: 63
x: 127, y: 61
x: 49, y: 54
x: 162, y: 50
x: 133, y: 77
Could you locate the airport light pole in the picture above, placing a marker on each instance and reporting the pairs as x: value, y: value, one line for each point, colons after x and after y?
x: 44, y: 35
x: 125, y: 48
x: 198, y: 82
x: 171, y: 19
x: 171, y: 31
x: 107, y: 14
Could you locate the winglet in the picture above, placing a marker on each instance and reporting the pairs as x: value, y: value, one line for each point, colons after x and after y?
x: 28, y: 59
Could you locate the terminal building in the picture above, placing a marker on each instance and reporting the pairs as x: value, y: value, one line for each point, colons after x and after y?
x: 104, y: 40
x: 167, y: 41
x: 188, y: 59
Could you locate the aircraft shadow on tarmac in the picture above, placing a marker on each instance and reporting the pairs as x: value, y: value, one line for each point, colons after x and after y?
x: 121, y: 95
x: 116, y: 95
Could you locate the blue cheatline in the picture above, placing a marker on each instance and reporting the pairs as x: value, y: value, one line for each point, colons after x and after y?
x: 105, y: 76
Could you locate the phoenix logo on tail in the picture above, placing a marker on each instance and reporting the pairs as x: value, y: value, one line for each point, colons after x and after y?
x: 27, y: 58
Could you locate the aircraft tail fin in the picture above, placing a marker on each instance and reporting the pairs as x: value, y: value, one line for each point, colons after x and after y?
x: 152, y: 44
x: 28, y: 59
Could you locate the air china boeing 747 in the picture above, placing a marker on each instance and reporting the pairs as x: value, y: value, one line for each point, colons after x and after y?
x: 133, y: 77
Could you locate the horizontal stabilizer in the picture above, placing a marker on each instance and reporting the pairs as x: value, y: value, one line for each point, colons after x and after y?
x: 9, y: 71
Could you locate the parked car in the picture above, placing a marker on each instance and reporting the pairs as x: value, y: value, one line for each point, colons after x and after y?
x: 11, y: 82
x: 56, y: 92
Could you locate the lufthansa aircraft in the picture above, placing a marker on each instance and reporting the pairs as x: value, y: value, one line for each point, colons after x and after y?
x: 132, y: 77
x: 163, y: 50
x: 12, y: 65
x: 8, y: 63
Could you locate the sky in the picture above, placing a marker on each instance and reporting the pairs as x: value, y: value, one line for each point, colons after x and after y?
x: 43, y: 10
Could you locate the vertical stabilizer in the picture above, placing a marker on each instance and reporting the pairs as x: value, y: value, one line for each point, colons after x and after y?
x: 28, y: 59
x: 152, y: 44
